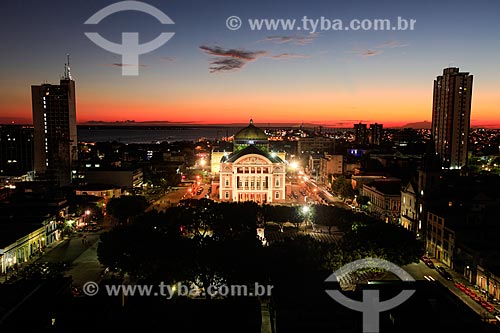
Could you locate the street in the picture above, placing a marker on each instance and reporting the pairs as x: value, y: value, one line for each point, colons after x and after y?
x: 169, y: 199
x: 80, y: 253
x: 420, y: 270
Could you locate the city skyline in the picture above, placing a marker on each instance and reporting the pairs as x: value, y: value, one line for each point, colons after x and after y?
x: 266, y: 166
x: 333, y: 78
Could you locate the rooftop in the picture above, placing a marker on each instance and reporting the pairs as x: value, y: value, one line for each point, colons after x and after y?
x: 389, y: 187
x: 251, y: 150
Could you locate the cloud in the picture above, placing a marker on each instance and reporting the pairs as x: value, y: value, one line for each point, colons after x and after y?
x: 233, y: 53
x: 293, y: 39
x: 230, y: 59
x: 379, y: 49
x: 392, y: 44
x: 369, y: 53
x: 116, y: 64
x: 284, y: 56
x: 226, y: 65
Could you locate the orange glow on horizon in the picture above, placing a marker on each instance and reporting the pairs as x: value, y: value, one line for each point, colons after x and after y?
x: 392, y: 107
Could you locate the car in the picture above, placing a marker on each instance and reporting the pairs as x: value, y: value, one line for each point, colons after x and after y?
x: 427, y: 261
x: 444, y: 273
x: 429, y: 264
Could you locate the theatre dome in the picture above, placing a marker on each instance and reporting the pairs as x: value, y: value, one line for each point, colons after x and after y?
x: 251, y: 135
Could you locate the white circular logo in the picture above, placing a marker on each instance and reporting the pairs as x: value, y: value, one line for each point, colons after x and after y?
x: 233, y: 22
x: 90, y: 288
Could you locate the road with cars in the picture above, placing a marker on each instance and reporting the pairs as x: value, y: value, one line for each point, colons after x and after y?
x: 426, y: 270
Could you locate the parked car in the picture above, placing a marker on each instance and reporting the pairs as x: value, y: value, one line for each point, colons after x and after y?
x: 427, y: 261
x: 444, y: 273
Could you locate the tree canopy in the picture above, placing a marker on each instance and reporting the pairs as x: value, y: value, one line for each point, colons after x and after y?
x: 209, y: 243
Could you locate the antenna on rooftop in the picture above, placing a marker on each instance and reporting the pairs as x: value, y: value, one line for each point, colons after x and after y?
x: 67, y: 69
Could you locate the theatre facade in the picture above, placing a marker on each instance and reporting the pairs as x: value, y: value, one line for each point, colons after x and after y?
x: 251, y: 172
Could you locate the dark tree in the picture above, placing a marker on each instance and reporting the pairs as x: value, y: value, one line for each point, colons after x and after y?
x: 126, y: 207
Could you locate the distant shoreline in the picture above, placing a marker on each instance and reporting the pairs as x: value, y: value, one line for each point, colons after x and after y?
x: 182, y: 126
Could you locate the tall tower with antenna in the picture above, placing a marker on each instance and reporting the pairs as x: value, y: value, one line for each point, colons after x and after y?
x: 55, y: 136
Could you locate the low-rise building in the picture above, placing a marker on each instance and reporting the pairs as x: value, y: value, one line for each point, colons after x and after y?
x: 99, y: 190
x: 330, y: 165
x: 20, y: 240
x: 411, y: 209
x: 488, y: 281
x: 121, y: 177
x: 315, y: 145
x: 384, y: 199
x: 312, y: 168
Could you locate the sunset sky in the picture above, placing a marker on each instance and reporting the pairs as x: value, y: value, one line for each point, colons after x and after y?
x: 330, y: 77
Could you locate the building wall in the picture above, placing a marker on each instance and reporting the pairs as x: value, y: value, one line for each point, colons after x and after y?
x: 22, y: 250
x: 330, y: 165
x: 409, y: 210
x: 316, y: 145
x: 108, y: 194
x: 215, y: 158
x: 440, y: 240
x: 384, y: 206
x: 313, y: 165
x: 120, y: 178
x: 16, y: 150
x: 55, y: 134
x: 488, y: 282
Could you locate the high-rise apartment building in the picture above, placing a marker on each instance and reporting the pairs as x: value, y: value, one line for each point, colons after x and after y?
x: 451, y: 109
x: 360, y: 134
x: 55, y: 136
x: 16, y: 150
x: 375, y: 135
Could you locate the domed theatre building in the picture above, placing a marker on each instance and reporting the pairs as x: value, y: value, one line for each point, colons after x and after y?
x: 251, y: 172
